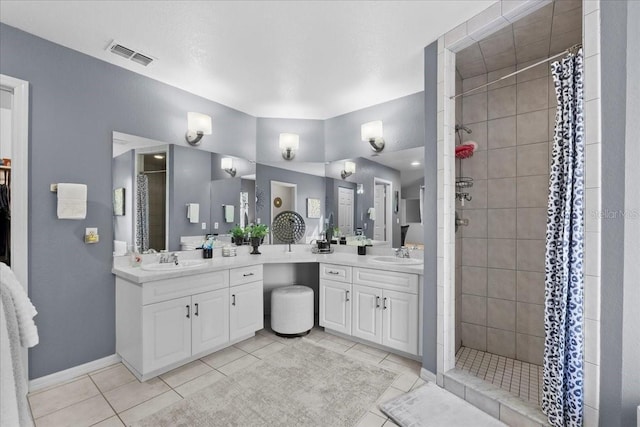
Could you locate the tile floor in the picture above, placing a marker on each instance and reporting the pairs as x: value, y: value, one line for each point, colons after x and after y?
x: 114, y: 397
x: 521, y: 379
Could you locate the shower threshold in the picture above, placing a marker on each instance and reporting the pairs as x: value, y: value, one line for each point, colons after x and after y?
x: 522, y: 379
x: 505, y: 388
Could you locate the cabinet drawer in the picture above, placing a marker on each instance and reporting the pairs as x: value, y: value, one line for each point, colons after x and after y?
x: 338, y: 273
x: 239, y: 276
x: 163, y: 290
x: 404, y: 282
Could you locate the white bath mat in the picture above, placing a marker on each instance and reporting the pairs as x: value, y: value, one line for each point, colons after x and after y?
x: 431, y: 405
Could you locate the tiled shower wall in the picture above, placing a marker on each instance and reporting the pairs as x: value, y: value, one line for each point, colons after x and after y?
x: 502, y: 259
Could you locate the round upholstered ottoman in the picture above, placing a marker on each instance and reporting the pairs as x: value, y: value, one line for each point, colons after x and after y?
x: 292, y: 310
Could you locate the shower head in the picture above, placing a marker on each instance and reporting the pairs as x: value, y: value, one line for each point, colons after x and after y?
x: 463, y: 127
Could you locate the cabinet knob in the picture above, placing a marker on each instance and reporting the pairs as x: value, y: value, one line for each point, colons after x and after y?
x: 196, y: 313
x: 348, y: 296
x: 233, y: 299
x: 384, y: 304
x: 247, y: 274
x: 188, y: 312
x: 377, y: 302
x: 332, y: 272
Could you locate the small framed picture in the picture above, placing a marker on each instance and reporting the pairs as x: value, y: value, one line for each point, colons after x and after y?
x: 118, y: 201
x: 313, y: 208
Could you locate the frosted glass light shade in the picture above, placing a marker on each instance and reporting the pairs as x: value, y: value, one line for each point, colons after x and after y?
x: 289, y: 141
x: 226, y: 163
x: 371, y: 130
x: 349, y: 167
x: 198, y: 122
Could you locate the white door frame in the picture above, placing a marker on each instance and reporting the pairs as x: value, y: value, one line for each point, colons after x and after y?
x: 284, y: 184
x: 19, y: 185
x: 388, y: 229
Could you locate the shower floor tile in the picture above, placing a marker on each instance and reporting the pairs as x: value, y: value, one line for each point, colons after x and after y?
x: 521, y: 379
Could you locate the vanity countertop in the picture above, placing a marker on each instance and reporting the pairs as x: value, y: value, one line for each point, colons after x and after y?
x: 138, y: 275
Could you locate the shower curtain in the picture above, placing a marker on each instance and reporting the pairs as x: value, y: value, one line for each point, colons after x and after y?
x: 562, y: 392
x: 142, y: 213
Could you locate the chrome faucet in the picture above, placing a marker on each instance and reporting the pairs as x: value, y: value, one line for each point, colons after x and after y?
x: 402, y: 252
x: 166, y: 258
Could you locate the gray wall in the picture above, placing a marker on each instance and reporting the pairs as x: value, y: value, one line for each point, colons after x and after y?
x: 403, y: 122
x: 76, y: 102
x: 308, y: 186
x: 189, y: 182
x: 620, y: 298
x: 123, y: 168
x: 225, y: 192
x: 430, y: 137
x: 311, y: 133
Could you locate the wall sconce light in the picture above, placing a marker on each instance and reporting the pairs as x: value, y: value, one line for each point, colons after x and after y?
x: 372, y: 132
x: 197, y: 125
x: 349, y: 169
x: 289, y: 143
x: 226, y: 164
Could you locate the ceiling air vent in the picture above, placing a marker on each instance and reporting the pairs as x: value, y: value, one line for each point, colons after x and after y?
x: 131, y: 54
x: 141, y: 59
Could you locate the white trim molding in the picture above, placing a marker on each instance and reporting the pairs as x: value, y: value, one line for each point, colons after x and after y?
x: 19, y: 184
x: 61, y: 377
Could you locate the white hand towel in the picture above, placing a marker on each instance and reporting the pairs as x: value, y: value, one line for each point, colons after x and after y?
x: 228, y: 213
x: 25, y: 311
x: 372, y: 214
x: 193, y: 212
x: 72, y: 201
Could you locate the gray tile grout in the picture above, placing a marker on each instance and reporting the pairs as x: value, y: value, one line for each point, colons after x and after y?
x: 117, y: 414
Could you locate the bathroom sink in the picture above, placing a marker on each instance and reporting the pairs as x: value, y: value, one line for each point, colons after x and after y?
x: 396, y: 260
x: 170, y: 266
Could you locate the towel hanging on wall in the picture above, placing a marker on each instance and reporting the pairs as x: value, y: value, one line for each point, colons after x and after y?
x: 372, y: 214
x: 72, y: 201
x: 193, y: 212
x: 228, y: 213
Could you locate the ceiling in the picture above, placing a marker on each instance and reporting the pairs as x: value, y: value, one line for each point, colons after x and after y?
x: 293, y: 59
x: 545, y: 32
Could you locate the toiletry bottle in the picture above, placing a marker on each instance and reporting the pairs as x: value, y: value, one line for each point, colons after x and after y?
x: 136, y: 258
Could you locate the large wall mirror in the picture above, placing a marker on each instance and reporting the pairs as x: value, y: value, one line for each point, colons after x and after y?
x: 377, y: 196
x: 174, y: 195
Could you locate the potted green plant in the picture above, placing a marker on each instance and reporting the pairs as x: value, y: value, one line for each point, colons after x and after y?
x: 257, y: 233
x: 238, y: 233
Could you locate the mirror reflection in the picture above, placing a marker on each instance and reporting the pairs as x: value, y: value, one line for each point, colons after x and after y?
x: 189, y: 192
x: 378, y: 197
x: 175, y: 195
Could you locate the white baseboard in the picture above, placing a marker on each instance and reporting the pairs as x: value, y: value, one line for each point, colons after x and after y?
x: 427, y: 375
x: 71, y: 373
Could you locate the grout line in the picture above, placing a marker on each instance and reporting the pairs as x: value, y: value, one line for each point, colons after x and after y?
x: 106, y: 400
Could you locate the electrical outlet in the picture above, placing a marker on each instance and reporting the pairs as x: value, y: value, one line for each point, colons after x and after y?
x: 215, y: 225
x: 204, y: 225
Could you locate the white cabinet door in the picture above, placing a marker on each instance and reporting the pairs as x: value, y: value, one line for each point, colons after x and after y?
x: 210, y: 326
x: 166, y: 333
x: 335, y: 306
x: 246, y: 315
x: 400, y: 321
x: 367, y: 316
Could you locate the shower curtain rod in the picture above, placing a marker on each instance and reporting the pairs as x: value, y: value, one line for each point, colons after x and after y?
x: 573, y: 49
